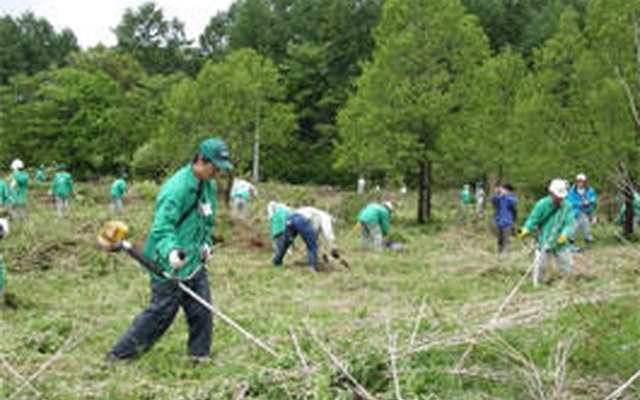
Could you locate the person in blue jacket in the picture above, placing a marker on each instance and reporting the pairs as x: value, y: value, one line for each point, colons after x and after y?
x: 584, y: 202
x: 505, y: 206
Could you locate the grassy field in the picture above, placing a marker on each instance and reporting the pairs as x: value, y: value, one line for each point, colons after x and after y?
x: 420, y: 308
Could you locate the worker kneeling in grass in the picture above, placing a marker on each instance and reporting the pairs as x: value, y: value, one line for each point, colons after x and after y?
x: 374, y: 223
x: 310, y: 223
x: 180, y: 243
x: 553, y: 218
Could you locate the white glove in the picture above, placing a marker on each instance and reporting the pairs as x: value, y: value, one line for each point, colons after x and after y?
x: 4, y: 228
x: 177, y: 259
x: 205, y: 253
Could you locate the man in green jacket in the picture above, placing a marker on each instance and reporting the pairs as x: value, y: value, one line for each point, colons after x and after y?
x: 19, y: 187
x: 553, y: 218
x: 180, y: 243
x: 62, y: 188
x: 278, y: 215
x: 374, y: 223
x: 118, y: 189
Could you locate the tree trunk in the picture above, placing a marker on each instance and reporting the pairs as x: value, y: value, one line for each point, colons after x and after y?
x: 424, y: 192
x: 256, y: 146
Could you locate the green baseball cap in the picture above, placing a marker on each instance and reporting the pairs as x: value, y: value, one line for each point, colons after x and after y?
x: 216, y: 151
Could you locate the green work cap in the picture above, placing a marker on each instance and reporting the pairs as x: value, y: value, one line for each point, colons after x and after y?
x: 217, y: 152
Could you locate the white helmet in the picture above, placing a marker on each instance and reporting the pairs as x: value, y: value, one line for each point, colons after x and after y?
x: 558, y: 188
x: 388, y: 205
x: 17, y: 164
x: 581, y: 177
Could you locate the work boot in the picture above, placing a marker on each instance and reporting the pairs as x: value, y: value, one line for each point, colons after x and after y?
x: 113, y: 359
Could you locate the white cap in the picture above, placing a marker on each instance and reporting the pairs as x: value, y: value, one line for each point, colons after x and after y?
x: 17, y: 164
x: 558, y: 188
x: 581, y: 177
x: 388, y: 205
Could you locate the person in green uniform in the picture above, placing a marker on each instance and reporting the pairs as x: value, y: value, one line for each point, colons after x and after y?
x: 374, y: 223
x: 241, y: 193
x: 5, y: 198
x: 180, y: 243
x: 118, y: 189
x: 553, y: 219
x: 40, y: 175
x: 278, y: 215
x: 62, y: 188
x: 19, y: 187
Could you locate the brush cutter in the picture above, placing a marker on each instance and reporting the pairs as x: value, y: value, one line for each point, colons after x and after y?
x: 112, y: 237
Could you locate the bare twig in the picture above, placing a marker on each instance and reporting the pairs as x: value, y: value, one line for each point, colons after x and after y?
x: 416, y: 325
x: 334, y: 360
x: 67, y: 344
x: 303, y: 361
x: 500, y: 310
x: 624, y: 387
x: 242, y: 391
x: 19, y: 377
x: 393, y: 341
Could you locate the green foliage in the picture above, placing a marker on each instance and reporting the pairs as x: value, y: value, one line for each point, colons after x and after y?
x: 240, y: 100
x: 157, y: 43
x: 29, y: 44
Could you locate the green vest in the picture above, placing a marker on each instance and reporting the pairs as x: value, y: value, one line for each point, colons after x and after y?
x: 551, y: 221
x: 62, y: 185
x: 175, y: 203
x: 375, y: 214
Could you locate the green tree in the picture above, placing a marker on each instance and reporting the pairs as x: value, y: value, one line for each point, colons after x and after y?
x: 424, y: 48
x: 160, y: 45
x: 29, y: 44
x: 240, y: 100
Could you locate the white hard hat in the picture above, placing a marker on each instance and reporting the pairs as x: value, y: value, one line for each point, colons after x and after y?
x: 388, y: 205
x: 581, y: 177
x: 17, y: 164
x: 558, y: 188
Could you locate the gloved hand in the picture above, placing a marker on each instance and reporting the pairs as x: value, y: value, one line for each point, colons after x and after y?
x: 522, y: 233
x: 562, y: 239
x: 177, y: 259
x: 335, y: 253
x: 205, y: 253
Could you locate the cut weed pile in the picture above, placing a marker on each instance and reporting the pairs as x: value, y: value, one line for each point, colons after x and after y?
x: 337, y: 332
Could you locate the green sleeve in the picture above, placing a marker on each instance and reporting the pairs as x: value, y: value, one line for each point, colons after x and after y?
x: 163, y: 230
x: 384, y: 222
x: 536, y: 216
x: 567, y: 228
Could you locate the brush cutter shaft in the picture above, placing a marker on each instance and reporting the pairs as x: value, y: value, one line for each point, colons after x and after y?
x: 153, y: 267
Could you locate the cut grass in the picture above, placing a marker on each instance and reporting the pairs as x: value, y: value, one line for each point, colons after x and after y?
x: 65, y: 287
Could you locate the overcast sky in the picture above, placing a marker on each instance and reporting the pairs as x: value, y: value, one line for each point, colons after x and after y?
x: 92, y: 20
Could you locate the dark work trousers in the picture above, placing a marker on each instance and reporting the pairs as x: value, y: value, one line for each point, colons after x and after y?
x: 298, y: 225
x: 166, y: 298
x: 504, y: 238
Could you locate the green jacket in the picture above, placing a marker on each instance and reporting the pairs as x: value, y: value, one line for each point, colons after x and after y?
x: 279, y: 220
x: 465, y: 195
x: 551, y: 222
x: 375, y: 214
x: 4, y: 194
x: 118, y: 188
x: 176, y: 201
x: 623, y: 208
x: 62, y: 185
x: 19, y: 185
